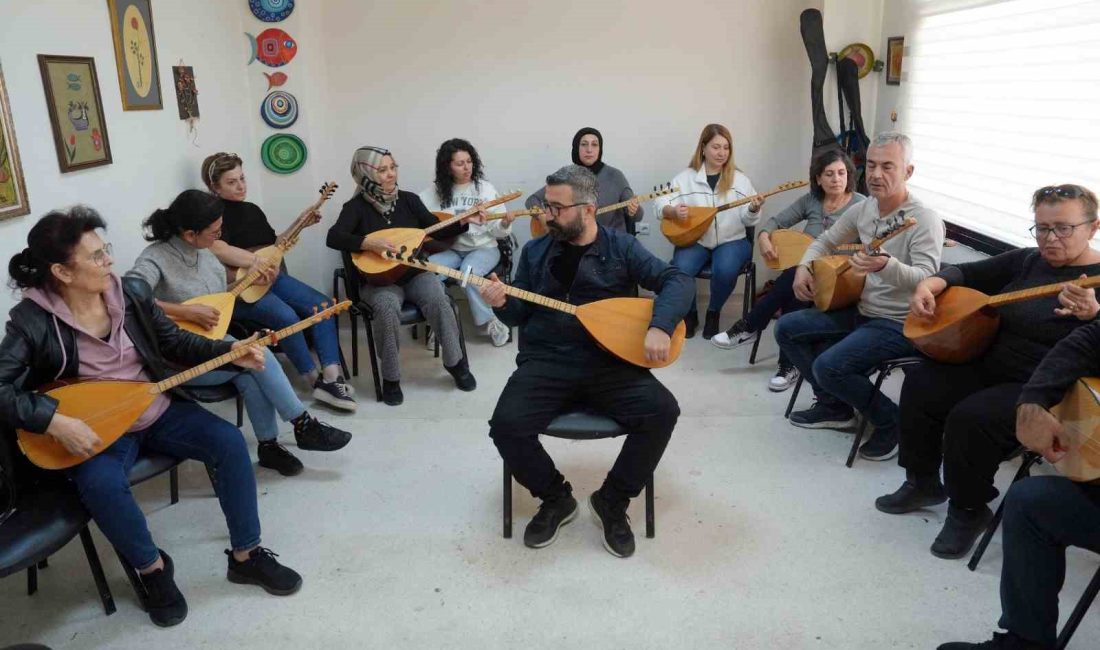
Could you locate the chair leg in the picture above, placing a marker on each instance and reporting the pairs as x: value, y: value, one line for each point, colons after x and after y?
x: 1079, y: 612
x: 240, y: 411
x: 135, y: 580
x: 650, y: 520
x: 507, y: 502
x: 44, y: 563
x: 343, y: 361
x: 373, y: 359
x: 794, y: 397
x: 97, y: 572
x: 174, y: 484
x: 995, y: 522
x: 755, y: 347
x: 32, y: 579
x: 864, y: 423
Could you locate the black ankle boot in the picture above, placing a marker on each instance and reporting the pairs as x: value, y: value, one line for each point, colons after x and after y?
x: 691, y: 321
x: 391, y: 392
x: 710, y: 327
x: 461, y: 372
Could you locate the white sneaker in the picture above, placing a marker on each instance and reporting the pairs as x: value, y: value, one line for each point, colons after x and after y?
x: 724, y: 341
x: 784, y: 378
x: 498, y: 332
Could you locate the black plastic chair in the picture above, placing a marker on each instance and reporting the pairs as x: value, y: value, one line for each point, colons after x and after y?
x: 1079, y: 612
x: 579, y: 426
x: 1028, y: 460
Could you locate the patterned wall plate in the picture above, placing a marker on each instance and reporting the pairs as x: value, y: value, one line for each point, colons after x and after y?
x: 279, y: 109
x: 271, y: 11
x: 283, y: 153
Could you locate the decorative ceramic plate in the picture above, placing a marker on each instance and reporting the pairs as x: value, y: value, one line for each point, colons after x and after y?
x: 279, y: 109
x: 271, y: 11
x: 283, y: 153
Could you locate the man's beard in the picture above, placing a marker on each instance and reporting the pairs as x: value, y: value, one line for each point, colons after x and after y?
x: 565, y: 233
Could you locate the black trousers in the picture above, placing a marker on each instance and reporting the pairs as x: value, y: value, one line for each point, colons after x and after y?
x: 964, y: 415
x: 538, y: 391
x: 1043, y: 515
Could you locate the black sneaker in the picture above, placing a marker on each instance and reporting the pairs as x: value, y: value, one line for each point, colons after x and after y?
x: 163, y: 600
x: 543, y: 528
x: 710, y: 325
x: 261, y: 568
x: 391, y: 393
x: 913, y: 494
x: 277, y: 457
x: 825, y: 416
x: 691, y: 321
x: 335, y: 394
x: 314, y: 435
x: 461, y: 373
x: 883, y: 445
x: 618, y: 539
x: 999, y: 641
x: 960, y: 531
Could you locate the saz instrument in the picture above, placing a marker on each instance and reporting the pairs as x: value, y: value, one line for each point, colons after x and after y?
x: 493, y: 216
x: 966, y: 321
x: 834, y: 286
x: 538, y: 227
x: 381, y: 271
x: 274, y: 253
x: 619, y: 325
x: 1079, y: 413
x: 110, y: 407
x: 224, y: 303
x: 791, y: 245
x: 685, y: 232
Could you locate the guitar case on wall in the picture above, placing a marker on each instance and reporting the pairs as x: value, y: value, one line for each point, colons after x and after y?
x: 854, y: 139
x: 813, y: 37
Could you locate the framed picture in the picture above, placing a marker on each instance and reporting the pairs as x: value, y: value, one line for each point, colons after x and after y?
x: 76, y: 111
x: 135, y: 54
x: 895, y: 47
x: 13, y: 192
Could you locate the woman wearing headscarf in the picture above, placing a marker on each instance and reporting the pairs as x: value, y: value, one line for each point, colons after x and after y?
x: 378, y: 204
x: 613, y: 186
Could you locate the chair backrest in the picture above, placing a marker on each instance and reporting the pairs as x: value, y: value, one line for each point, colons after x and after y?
x: 351, y: 278
x: 507, y: 248
x: 7, y: 477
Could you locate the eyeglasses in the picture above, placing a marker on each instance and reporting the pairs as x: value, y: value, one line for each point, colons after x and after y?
x: 1063, y: 191
x: 1061, y: 230
x: 555, y: 210
x: 100, y: 257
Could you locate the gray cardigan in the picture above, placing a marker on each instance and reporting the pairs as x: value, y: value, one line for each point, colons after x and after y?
x: 613, y: 188
x: 177, y: 271
x: 811, y: 210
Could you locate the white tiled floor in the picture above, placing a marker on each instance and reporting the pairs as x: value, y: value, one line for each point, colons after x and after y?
x: 764, y: 540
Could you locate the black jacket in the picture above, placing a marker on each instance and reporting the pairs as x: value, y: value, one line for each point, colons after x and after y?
x: 31, y: 353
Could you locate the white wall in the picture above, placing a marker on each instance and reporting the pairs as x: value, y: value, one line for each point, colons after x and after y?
x: 153, y: 155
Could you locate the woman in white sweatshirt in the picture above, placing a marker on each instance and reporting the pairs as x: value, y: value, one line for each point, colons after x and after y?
x: 459, y: 186
x: 713, y: 179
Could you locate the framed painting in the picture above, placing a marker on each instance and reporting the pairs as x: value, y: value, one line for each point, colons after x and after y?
x: 135, y: 54
x: 895, y: 47
x: 76, y: 111
x: 13, y: 191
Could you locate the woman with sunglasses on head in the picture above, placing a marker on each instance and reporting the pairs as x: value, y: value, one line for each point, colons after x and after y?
x: 78, y: 319
x: 460, y: 185
x: 178, y: 265
x: 611, y: 183
x: 378, y: 204
x: 245, y: 228
x: 710, y: 180
x: 965, y: 415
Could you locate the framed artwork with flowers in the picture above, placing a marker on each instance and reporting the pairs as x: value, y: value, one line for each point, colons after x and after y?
x: 135, y: 54
x: 13, y: 191
x: 76, y: 111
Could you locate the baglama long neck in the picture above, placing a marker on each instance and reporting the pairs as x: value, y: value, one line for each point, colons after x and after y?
x: 290, y: 237
x: 233, y: 355
x: 248, y: 280
x: 478, y: 281
x: 1041, y: 292
x: 459, y: 217
x: 877, y: 243
x: 763, y: 195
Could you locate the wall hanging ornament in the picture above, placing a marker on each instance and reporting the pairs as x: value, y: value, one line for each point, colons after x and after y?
x: 275, y: 79
x: 76, y: 111
x: 283, y: 153
x: 273, y: 47
x: 187, y: 96
x: 279, y: 109
x: 135, y: 54
x: 861, y: 54
x: 271, y: 11
x: 13, y: 191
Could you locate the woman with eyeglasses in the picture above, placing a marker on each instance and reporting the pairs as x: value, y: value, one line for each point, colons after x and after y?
x: 245, y: 228
x: 178, y: 265
x: 460, y: 185
x: 965, y: 415
x: 378, y: 204
x: 712, y: 179
x: 78, y: 319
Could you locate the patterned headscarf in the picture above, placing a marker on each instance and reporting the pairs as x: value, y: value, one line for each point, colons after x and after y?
x: 364, y: 169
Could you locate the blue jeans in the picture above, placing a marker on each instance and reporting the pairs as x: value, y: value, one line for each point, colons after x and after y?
x: 288, y: 302
x: 480, y: 261
x: 265, y: 393
x: 726, y: 262
x: 185, y: 430
x: 836, y: 350
x: 1042, y: 516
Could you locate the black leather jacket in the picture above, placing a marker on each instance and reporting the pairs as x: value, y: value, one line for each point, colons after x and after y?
x: 31, y: 353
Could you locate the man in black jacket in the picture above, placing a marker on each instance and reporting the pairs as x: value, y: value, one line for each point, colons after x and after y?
x: 562, y: 368
x: 1044, y: 515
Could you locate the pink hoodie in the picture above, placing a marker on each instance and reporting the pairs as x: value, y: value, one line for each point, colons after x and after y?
x: 115, y: 358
